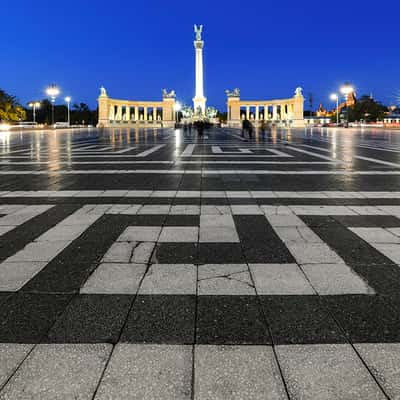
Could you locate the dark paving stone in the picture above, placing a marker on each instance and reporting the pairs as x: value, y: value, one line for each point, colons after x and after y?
x: 4, y: 296
x: 347, y: 244
x: 163, y: 319
x: 369, y: 221
x: 259, y: 241
x: 25, y: 317
x: 230, y: 320
x: 300, y: 320
x: 15, y: 240
x: 220, y: 253
x: 91, y: 319
x: 182, y: 220
x: 365, y: 319
x: 175, y: 253
x: 68, y: 271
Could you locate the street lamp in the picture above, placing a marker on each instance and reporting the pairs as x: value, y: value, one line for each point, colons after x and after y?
x: 177, y: 108
x: 334, y: 97
x: 68, y: 101
x: 346, y: 89
x: 52, y: 91
x: 34, y: 105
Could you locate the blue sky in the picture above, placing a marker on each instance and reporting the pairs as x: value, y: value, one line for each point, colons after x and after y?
x: 136, y: 48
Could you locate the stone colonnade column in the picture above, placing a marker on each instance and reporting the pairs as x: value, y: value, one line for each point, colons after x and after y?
x: 274, y: 112
x: 247, y: 112
x: 257, y: 116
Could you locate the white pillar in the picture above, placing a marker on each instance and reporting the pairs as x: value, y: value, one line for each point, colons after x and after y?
x: 145, y: 113
x: 199, y: 100
x: 257, y: 113
x: 136, y: 113
x: 247, y: 112
x: 274, y: 112
x: 154, y: 113
x: 127, y: 113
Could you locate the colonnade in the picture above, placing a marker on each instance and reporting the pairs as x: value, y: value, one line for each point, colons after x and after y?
x: 114, y: 112
x: 290, y: 110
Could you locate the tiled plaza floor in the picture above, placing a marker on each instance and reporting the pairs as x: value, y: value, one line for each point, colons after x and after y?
x: 141, y: 264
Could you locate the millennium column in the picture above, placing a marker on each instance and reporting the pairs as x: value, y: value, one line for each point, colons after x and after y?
x: 199, y: 101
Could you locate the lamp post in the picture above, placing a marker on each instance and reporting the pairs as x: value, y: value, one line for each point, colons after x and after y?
x: 52, y: 91
x: 334, y: 97
x: 34, y: 105
x: 68, y: 101
x: 346, y: 89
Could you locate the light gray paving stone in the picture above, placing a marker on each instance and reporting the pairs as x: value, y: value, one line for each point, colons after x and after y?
x: 249, y: 209
x: 215, y: 210
x: 155, y: 209
x: 179, y: 234
x: 140, y: 234
x: 115, y: 279
x: 119, y: 252
x: 285, y: 220
x: 114, y: 193
x: 11, y: 355
x: 237, y: 373
x: 260, y: 194
x: 142, y: 252
x: 188, y: 193
x: 276, y: 210
x: 322, y: 210
x: 238, y: 194
x: 14, y: 275
x: 170, y: 279
x: 344, y: 195
x: 313, y: 253
x: 132, y: 210
x: 224, y: 279
x: 297, y: 234
x: 383, y: 360
x: 326, y: 372
x: 367, y: 210
x: 394, y: 231
x: 391, y: 210
x: 213, y: 194
x: 39, y: 251
x: 80, y: 218
x: 64, y: 193
x: 62, y: 233
x: 58, y: 372
x: 376, y: 235
x: 335, y: 279
x: 280, y: 279
x: 89, y: 193
x: 118, y: 208
x: 139, y: 193
x: 147, y: 372
x: 185, y: 210
x: 164, y: 193
x: 218, y: 228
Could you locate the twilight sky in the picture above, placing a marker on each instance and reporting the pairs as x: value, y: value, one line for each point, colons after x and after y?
x: 135, y: 48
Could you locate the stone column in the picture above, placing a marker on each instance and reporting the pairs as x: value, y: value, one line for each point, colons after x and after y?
x: 112, y: 113
x: 127, y: 113
x: 283, y: 113
x: 154, y: 113
x: 274, y: 112
x: 145, y: 113
x: 136, y: 113
x: 257, y: 113
x: 298, y: 110
x: 247, y: 112
x: 104, y: 109
x: 119, y: 113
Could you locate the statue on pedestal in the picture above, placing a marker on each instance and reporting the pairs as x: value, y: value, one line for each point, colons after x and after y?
x: 103, y: 91
x: 169, y: 95
x: 198, y: 32
x: 298, y: 92
x: 233, y: 93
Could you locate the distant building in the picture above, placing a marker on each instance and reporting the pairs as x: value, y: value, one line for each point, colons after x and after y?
x: 351, y: 100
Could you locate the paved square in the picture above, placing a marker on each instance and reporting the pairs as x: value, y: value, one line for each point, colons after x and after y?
x: 153, y: 264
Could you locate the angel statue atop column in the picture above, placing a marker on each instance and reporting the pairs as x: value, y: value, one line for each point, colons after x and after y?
x: 198, y: 32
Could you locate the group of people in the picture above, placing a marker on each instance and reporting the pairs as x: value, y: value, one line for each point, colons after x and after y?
x: 199, y: 125
x: 247, y: 127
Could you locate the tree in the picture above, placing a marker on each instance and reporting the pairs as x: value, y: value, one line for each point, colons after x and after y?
x: 10, y: 109
x: 367, y: 109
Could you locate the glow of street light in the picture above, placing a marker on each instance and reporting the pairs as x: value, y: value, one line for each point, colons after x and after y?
x: 177, y: 106
x: 346, y: 89
x: 334, y: 96
x: 68, y: 99
x: 53, y: 91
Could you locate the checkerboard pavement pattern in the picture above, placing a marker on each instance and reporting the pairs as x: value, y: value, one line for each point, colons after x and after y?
x: 228, y: 289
